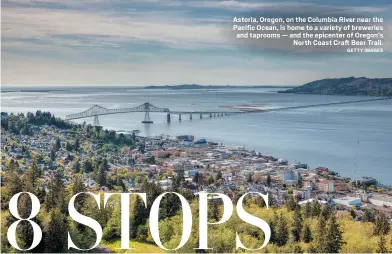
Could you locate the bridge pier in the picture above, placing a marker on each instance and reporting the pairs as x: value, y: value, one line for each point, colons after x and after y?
x: 190, y: 117
x: 168, y: 117
x: 210, y: 114
x: 96, y: 121
x: 201, y: 116
x: 179, y: 117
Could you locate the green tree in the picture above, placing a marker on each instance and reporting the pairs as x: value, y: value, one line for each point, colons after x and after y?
x: 297, y: 224
x: 316, y: 208
x: 57, y: 145
x: 334, y: 236
x: 268, y: 182
x: 299, y: 181
x: 308, y: 210
x: 368, y: 216
x: 291, y: 203
x: 307, y: 234
x: 32, y: 174
x: 381, y: 226
x: 381, y: 245
x: 56, y: 232
x: 249, y: 177
x: 76, y: 167
x: 55, y: 196
x: 282, y: 233
x: 321, y: 241
x: 68, y: 146
x: 76, y: 145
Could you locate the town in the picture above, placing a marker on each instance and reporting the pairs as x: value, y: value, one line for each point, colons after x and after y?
x: 110, y: 161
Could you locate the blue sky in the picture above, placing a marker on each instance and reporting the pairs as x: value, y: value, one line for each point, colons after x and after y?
x: 160, y: 42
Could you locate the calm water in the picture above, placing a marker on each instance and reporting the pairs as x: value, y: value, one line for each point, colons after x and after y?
x: 337, y: 137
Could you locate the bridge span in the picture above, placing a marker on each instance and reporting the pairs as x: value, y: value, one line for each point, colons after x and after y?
x: 147, y: 108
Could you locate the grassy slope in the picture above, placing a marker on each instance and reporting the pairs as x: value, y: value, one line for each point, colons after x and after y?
x: 139, y: 247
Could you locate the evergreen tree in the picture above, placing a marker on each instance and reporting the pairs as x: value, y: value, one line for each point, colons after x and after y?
x: 268, y: 182
x: 282, y: 233
x: 273, y: 227
x: 68, y: 146
x: 33, y: 173
x: 299, y: 181
x: 76, y: 145
x: 307, y: 234
x: 297, y: 224
x: 368, y: 216
x: 321, y: 241
x: 308, y: 210
x: 381, y: 245
x: 291, y: 204
x: 316, y: 208
x: 55, y: 196
x: 57, y: 145
x: 76, y: 167
x: 334, y: 236
x: 56, y: 233
x: 381, y: 226
x: 77, y: 187
x: 219, y: 175
x: 325, y: 212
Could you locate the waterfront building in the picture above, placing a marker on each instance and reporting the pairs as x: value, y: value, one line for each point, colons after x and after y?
x: 348, y: 201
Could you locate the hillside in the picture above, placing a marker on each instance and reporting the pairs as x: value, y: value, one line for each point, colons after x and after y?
x: 346, y: 86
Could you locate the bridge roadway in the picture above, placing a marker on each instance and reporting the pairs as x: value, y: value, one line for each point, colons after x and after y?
x: 97, y: 110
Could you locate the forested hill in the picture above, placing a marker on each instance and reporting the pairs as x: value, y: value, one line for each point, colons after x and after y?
x: 346, y: 86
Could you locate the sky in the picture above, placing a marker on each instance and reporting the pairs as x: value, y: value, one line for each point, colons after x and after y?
x: 165, y: 42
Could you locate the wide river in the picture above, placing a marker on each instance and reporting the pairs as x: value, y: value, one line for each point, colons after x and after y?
x: 354, y: 139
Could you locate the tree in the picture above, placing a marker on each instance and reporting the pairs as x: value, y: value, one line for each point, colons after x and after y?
x: 55, y: 197
x: 57, y: 145
x: 381, y: 226
x: 308, y: 210
x: 55, y: 235
x: 76, y: 167
x: 268, y: 182
x: 297, y: 224
x: 77, y: 187
x: 33, y: 173
x: 76, y: 145
x: 273, y: 227
x: 334, y: 236
x: 321, y: 236
x: 219, y: 175
x: 316, y: 208
x: 291, y: 204
x: 368, y: 216
x: 249, y: 177
x: 282, y: 233
x: 68, y: 146
x: 381, y: 245
x: 299, y: 181
x: 307, y: 234
x: 196, y: 178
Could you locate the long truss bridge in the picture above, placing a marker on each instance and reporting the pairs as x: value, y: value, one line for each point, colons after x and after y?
x: 147, y: 108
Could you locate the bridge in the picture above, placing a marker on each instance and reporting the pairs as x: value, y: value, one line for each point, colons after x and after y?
x: 147, y: 108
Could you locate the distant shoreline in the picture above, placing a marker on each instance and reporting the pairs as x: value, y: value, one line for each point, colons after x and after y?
x: 194, y: 86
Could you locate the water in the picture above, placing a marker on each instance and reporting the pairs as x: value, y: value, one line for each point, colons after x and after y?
x: 338, y: 137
